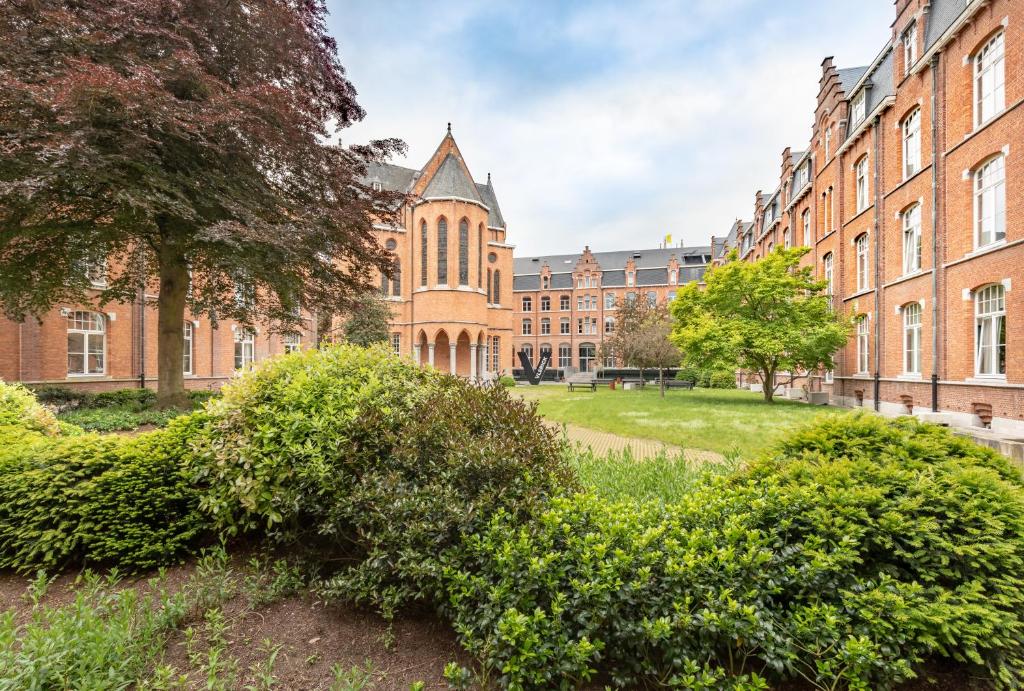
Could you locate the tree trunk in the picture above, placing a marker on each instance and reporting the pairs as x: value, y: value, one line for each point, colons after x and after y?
x: 643, y: 382
x: 661, y: 381
x: 768, y: 386
x: 170, y: 328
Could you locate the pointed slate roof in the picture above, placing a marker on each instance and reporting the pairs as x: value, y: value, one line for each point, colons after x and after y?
x: 450, y: 180
x: 494, y: 217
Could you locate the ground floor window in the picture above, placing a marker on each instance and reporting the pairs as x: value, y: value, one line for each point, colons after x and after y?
x: 528, y: 351
x: 862, y: 345
x: 87, y: 343
x: 186, y: 350
x: 990, y: 331
x: 545, y: 350
x: 292, y: 343
x: 587, y: 355
x: 495, y: 353
x: 245, y: 348
x: 912, y: 338
x: 396, y: 343
x: 564, y: 356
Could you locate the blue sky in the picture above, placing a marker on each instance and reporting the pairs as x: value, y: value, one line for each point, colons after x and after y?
x: 603, y: 123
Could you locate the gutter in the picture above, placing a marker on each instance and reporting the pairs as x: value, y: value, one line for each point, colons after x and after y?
x: 878, y: 252
x: 934, y: 61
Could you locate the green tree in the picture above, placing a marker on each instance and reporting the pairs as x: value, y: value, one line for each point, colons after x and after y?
x: 767, y: 317
x: 368, y: 321
x: 642, y: 338
x: 184, y: 148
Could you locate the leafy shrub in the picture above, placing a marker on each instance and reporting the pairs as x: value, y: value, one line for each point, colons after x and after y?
x: 722, y: 379
x: 853, y: 552
x: 18, y: 407
x: 373, y: 458
x: 200, y: 396
x: 93, y: 498
x: 708, y: 378
x: 507, y: 381
x: 118, y: 418
x: 60, y: 396
x: 140, y: 398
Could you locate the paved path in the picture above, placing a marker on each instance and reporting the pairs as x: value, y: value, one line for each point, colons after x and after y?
x: 603, y: 442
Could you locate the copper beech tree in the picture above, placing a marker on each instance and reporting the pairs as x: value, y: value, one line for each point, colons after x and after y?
x: 187, y: 148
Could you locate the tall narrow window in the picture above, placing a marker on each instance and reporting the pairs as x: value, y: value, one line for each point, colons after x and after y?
x: 863, y: 264
x: 186, y: 349
x: 396, y: 343
x: 563, y: 303
x: 787, y: 239
x: 912, y: 239
x: 806, y: 221
x: 861, y: 175
x: 863, y: 345
x: 912, y: 144
x: 652, y: 298
x: 859, y: 108
x: 563, y: 325
x: 990, y: 202
x: 545, y: 304
x: 912, y: 339
x: 495, y: 351
x: 565, y: 355
x: 423, y: 254
x: 830, y: 209
x: 826, y: 263
x: 245, y: 348
x: 396, y: 279
x: 384, y: 284
x: 527, y: 327
x: 909, y: 48
x: 87, y: 343
x: 463, y: 252
x: 442, y: 251
x: 545, y: 326
x: 989, y: 80
x: 828, y: 142
x: 490, y: 295
x: 990, y: 331
x: 527, y: 303
x: 497, y: 287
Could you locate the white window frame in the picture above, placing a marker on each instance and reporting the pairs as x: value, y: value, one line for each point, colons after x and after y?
x: 527, y: 303
x: 545, y: 326
x: 245, y: 348
x: 545, y: 303
x: 863, y: 257
x: 92, y: 327
x: 860, y: 170
x: 805, y: 218
x: 912, y: 144
x: 609, y: 325
x: 292, y: 343
x: 990, y: 332
x: 912, y: 239
x: 859, y: 108
x: 609, y: 301
x: 990, y: 202
x: 564, y: 355
x: 564, y: 326
x: 909, y: 47
x: 527, y: 327
x: 787, y: 238
x: 912, y: 339
x: 564, y: 303
x: 828, y: 142
x: 863, y: 345
x: 187, y: 348
x: 827, y: 268
x: 990, y: 80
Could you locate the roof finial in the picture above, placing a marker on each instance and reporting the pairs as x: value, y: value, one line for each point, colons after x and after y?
x: 488, y: 177
x: 449, y: 128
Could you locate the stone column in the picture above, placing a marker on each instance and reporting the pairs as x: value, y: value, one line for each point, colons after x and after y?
x: 416, y: 353
x: 472, y: 361
x: 430, y: 354
x: 451, y: 357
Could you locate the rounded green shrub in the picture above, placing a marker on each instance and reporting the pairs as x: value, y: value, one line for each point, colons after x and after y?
x: 722, y: 379
x: 507, y: 381
x: 856, y: 550
x: 373, y: 459
x: 121, y: 501
x: 19, y: 407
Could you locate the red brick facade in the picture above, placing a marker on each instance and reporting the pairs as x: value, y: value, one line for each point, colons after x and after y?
x: 918, y: 204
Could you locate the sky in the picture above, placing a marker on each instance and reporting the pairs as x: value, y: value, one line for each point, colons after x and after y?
x: 608, y: 124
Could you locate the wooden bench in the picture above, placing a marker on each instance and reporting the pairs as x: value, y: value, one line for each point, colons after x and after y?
x: 592, y: 385
x: 677, y: 384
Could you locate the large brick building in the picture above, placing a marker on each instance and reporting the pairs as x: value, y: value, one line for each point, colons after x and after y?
x: 565, y: 304
x: 450, y: 293
x: 909, y: 194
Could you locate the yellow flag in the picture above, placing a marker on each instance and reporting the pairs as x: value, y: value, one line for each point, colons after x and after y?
x: 668, y: 240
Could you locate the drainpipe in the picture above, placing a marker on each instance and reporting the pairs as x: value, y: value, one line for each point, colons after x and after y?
x: 935, y: 236
x: 142, y: 335
x: 876, y: 139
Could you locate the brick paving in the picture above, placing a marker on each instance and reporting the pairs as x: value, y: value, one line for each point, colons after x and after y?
x: 603, y: 442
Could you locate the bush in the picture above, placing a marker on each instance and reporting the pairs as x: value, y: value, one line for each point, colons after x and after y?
x: 18, y: 407
x: 138, y: 398
x: 507, y: 381
x: 372, y: 458
x: 92, y: 498
x: 60, y: 396
x: 853, y: 552
x: 119, y: 418
x: 708, y: 378
x: 723, y: 379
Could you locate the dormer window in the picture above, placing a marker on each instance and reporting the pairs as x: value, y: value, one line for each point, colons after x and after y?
x: 909, y: 48
x: 859, y: 108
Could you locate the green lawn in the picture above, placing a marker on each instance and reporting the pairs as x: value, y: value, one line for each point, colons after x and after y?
x: 717, y: 420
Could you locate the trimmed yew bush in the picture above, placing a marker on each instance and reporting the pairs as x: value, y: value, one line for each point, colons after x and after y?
x: 372, y: 459
x: 856, y: 550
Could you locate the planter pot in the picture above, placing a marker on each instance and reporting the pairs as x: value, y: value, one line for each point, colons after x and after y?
x: 818, y: 398
x: 757, y: 388
x: 795, y: 394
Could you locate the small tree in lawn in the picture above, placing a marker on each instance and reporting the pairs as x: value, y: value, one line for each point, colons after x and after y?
x: 768, y: 316
x: 184, y: 148
x: 368, y: 321
x: 642, y: 338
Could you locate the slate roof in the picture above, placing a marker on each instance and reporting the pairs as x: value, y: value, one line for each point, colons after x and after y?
x: 849, y: 77
x: 941, y: 15
x: 451, y: 180
x: 879, y: 85
x: 486, y: 190
x: 612, y: 261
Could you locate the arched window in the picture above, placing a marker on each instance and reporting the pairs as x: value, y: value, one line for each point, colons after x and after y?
x: 497, y: 287
x: 490, y: 295
x: 383, y: 284
x: 463, y: 252
x: 826, y: 266
x: 989, y: 80
x: 912, y: 239
x: 423, y: 254
x: 863, y: 261
x: 861, y: 182
x: 186, y: 349
x: 990, y: 331
x: 990, y: 202
x: 396, y: 279
x: 545, y: 350
x: 787, y: 239
x: 912, y: 143
x: 442, y: 251
x: 912, y: 338
x: 87, y: 343
x: 527, y: 349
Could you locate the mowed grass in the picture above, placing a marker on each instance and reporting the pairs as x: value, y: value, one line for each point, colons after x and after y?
x: 730, y: 422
